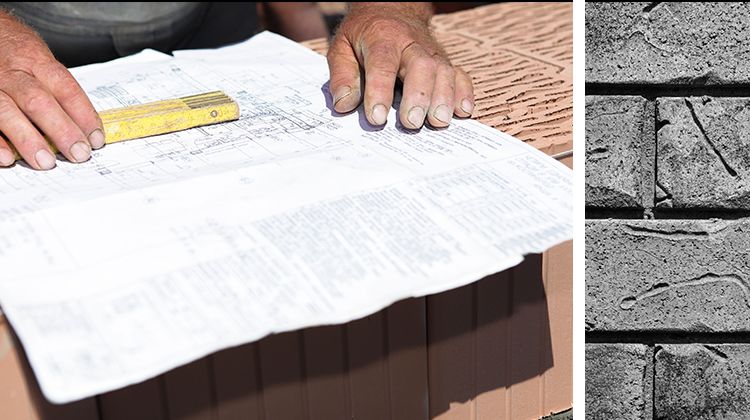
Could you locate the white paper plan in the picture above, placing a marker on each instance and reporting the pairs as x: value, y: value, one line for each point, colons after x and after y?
x: 159, y: 251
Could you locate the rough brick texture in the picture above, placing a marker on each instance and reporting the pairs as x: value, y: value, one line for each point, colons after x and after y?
x: 662, y: 274
x: 685, y: 275
x: 695, y: 381
x: 694, y: 43
x: 619, y: 152
x: 616, y: 376
x: 703, y: 157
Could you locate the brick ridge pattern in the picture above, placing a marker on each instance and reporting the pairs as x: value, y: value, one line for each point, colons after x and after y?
x: 668, y: 210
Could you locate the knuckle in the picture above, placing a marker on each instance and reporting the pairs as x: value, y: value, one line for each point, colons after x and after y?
x: 336, y: 85
x: 13, y: 77
x: 449, y: 71
x: 387, y: 27
x: 37, y: 101
x: 64, y: 79
x: 337, y: 79
x: 69, y: 136
x: 446, y: 100
x: 382, y: 51
x: 464, y: 77
x: 28, y: 142
x: 468, y: 90
x: 440, y: 57
x: 6, y: 104
x: 55, y: 70
x: 426, y: 64
x: 382, y: 71
x: 66, y: 87
x: 336, y: 48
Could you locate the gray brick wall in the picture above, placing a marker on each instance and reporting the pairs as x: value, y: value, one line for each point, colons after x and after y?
x: 617, y: 380
x: 668, y: 210
x: 619, y: 152
x: 702, y: 381
x: 703, y: 157
x: 680, y: 43
x: 667, y: 275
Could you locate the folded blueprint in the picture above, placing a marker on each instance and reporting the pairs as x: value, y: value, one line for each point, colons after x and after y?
x: 162, y: 250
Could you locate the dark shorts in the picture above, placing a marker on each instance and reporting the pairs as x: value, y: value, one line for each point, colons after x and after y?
x: 83, y: 33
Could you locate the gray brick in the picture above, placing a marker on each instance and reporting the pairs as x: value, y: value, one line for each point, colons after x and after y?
x: 685, y: 275
x: 619, y: 152
x: 697, y: 43
x: 616, y: 376
x: 703, y: 152
x: 695, y: 381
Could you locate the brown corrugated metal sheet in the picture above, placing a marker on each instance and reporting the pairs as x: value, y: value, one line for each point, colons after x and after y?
x: 491, y: 349
x: 497, y: 349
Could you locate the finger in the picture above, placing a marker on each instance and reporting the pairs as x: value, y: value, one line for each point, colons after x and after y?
x: 344, y: 84
x: 464, y: 99
x: 443, y: 94
x: 381, y: 69
x: 419, y: 81
x: 43, y: 110
x: 73, y: 101
x: 28, y: 142
x: 7, y: 158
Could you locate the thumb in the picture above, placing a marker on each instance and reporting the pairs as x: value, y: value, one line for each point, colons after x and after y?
x: 344, y: 83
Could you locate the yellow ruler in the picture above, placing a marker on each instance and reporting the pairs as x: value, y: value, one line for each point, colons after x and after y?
x: 160, y: 117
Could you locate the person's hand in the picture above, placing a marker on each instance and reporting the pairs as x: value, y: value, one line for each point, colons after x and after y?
x: 39, y: 97
x: 389, y: 41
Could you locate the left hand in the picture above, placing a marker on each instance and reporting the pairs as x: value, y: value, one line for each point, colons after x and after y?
x: 390, y: 40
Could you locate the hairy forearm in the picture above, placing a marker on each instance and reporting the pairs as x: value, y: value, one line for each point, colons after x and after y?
x: 421, y: 11
x: 14, y: 33
x: 6, y: 18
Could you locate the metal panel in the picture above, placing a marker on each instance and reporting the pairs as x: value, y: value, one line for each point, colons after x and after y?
x: 282, y: 374
x: 140, y: 401
x: 368, y: 370
x: 407, y: 359
x: 189, y: 391
x: 237, y: 384
x: 327, y: 385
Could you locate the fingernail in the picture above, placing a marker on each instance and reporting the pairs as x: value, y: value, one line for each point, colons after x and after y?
x: 96, y: 138
x: 80, y: 151
x: 443, y: 114
x: 44, y: 159
x: 379, y: 114
x: 341, y: 93
x: 467, y: 106
x: 416, y: 116
x: 6, y: 157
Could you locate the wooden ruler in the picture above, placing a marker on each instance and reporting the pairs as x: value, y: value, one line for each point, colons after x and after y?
x: 168, y: 116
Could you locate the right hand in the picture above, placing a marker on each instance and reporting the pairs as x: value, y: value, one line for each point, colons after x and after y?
x: 39, y: 97
x: 386, y: 41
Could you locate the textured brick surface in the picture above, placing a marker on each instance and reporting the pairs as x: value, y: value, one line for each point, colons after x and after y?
x: 687, y: 275
x: 697, y: 43
x: 703, y: 157
x: 616, y: 377
x: 668, y: 274
x: 695, y: 381
x: 619, y: 152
